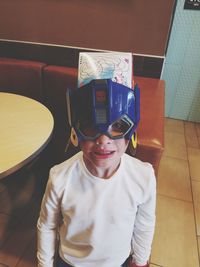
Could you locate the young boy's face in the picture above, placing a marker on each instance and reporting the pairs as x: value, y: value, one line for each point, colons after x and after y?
x: 102, y: 155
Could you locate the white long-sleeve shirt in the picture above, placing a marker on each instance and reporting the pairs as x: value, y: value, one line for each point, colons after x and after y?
x: 99, y: 221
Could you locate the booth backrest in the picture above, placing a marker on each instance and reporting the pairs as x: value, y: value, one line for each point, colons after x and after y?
x: 21, y: 77
x: 151, y: 127
x: 56, y: 80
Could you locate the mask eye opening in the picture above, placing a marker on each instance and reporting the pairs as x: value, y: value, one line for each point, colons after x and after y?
x: 118, y: 129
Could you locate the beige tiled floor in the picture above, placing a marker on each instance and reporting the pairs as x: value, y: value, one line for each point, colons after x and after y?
x: 177, y: 236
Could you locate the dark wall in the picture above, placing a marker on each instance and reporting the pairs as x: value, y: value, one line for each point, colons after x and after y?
x: 138, y: 26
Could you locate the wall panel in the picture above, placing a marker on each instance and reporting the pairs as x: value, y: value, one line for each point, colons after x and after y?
x: 138, y: 26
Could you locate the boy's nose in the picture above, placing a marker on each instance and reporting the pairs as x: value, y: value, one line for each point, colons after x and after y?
x: 103, y: 139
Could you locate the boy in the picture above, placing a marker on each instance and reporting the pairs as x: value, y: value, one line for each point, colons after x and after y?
x: 101, y: 202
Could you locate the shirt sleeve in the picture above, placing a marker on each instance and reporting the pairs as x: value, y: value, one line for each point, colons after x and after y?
x: 145, y: 224
x: 47, y: 225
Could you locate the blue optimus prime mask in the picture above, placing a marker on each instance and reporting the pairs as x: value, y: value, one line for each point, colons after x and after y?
x: 104, y: 107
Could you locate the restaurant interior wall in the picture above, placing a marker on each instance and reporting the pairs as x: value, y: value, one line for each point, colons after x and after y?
x: 128, y: 26
x: 137, y: 26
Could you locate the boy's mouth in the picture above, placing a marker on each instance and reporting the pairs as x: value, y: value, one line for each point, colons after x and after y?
x: 104, y: 153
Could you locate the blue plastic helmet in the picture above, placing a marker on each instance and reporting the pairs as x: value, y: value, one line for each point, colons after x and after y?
x: 104, y: 107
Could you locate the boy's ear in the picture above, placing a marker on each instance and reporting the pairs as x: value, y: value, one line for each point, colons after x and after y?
x: 74, y: 137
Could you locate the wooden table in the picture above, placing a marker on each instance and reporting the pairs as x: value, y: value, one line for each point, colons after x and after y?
x: 25, y: 129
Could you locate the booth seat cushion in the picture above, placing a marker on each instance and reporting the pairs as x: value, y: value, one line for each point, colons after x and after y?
x: 21, y: 77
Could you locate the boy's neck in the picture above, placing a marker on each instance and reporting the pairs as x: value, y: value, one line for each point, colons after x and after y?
x: 101, y: 172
